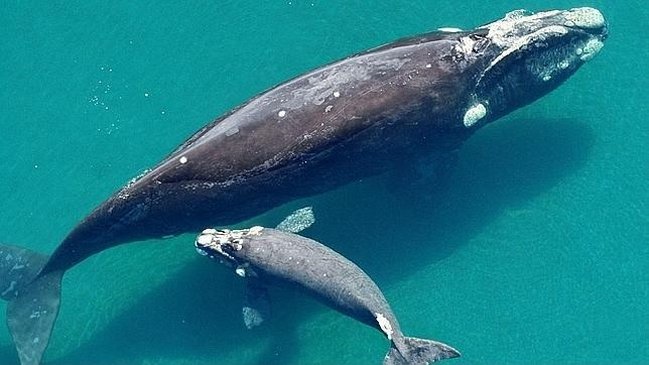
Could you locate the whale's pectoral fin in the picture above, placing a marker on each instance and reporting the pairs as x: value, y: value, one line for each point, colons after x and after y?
x: 297, y: 221
x: 256, y: 307
x: 33, y: 300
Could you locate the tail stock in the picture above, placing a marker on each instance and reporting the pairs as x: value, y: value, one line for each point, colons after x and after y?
x: 417, y: 351
x: 33, y: 300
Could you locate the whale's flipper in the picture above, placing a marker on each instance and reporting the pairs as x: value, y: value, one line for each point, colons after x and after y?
x: 256, y: 306
x: 419, y: 351
x: 297, y: 221
x: 33, y: 300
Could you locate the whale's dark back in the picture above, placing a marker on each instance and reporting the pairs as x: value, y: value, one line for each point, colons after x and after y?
x: 366, y: 115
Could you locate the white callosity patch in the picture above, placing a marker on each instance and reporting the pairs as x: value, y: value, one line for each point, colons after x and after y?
x: 588, y: 18
x: 255, y: 231
x: 281, y: 113
x: 508, y: 32
x: 591, y: 49
x: 385, y: 325
x: 503, y: 32
x: 521, y: 42
x: 465, y: 45
x: 474, y: 114
x: 204, y: 238
x: 183, y: 160
x: 211, y: 241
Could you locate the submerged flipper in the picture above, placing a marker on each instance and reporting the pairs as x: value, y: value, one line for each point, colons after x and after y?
x: 33, y: 300
x: 256, y: 307
x: 419, y: 351
x: 297, y: 221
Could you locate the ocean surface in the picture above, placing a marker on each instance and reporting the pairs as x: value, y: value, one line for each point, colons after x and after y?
x: 538, y: 252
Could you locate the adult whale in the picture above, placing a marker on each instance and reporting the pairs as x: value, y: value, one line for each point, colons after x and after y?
x: 351, y: 119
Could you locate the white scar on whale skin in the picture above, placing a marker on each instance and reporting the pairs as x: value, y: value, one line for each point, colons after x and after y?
x: 474, y: 114
x: 449, y: 30
x: 385, y: 325
x: 241, y: 271
x: 11, y: 288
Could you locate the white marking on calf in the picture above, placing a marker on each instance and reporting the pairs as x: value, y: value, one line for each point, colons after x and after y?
x: 385, y: 325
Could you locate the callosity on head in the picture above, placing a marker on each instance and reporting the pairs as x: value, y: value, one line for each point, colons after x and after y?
x: 535, y: 53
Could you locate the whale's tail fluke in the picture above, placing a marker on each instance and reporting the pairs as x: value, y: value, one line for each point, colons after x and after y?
x: 33, y: 300
x: 417, y: 351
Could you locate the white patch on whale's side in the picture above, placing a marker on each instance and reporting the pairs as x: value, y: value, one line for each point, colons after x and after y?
x: 449, y: 30
x: 385, y: 325
x: 241, y: 271
x: 474, y: 114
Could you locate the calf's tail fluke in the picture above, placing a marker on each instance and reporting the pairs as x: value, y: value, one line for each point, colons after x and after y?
x: 33, y: 300
x: 417, y: 351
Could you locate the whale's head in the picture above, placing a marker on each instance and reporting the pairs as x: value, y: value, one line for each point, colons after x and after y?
x: 518, y: 59
x: 219, y: 244
x: 224, y: 245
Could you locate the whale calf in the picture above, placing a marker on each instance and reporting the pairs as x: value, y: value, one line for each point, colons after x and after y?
x: 264, y: 256
x: 345, y: 121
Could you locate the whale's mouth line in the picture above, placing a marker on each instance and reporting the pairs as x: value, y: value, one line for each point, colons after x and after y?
x: 532, y: 55
x: 569, y: 46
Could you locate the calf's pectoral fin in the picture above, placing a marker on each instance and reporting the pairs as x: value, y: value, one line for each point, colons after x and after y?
x: 256, y: 306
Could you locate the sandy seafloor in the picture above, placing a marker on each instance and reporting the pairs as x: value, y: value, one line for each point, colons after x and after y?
x: 537, y: 254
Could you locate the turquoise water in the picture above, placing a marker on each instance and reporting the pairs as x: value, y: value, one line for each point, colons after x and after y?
x: 537, y: 253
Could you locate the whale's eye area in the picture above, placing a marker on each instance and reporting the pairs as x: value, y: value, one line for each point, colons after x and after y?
x: 218, y: 243
x: 480, y: 42
x: 229, y: 248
